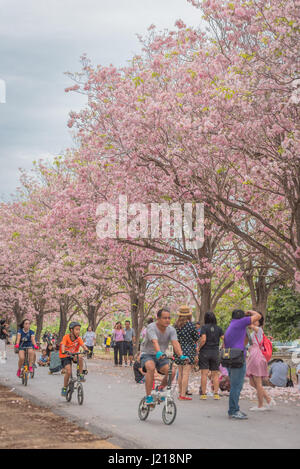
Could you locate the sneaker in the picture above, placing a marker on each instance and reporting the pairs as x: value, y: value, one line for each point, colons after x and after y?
x: 149, y: 400
x: 19, y: 373
x: 239, y: 416
x: 64, y: 392
x: 203, y: 397
x: 271, y: 404
x: 188, y: 393
x: 258, y: 409
x: 184, y: 398
x: 216, y: 397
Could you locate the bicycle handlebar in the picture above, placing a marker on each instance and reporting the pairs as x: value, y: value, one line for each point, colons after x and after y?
x: 173, y: 359
x: 74, y: 354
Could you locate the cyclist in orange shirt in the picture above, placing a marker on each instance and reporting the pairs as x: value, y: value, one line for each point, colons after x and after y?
x: 71, y: 343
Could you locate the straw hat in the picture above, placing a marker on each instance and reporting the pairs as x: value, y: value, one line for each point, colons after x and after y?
x: 184, y: 310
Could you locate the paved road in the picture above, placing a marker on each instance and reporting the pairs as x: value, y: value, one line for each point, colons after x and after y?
x: 110, y: 410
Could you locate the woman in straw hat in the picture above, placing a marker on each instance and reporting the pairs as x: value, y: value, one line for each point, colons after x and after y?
x: 187, y: 337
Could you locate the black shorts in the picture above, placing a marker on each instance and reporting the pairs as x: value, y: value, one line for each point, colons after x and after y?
x: 66, y: 361
x: 209, y: 360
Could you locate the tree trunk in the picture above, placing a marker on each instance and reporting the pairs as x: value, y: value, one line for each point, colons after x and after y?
x: 63, y: 321
x: 205, y: 304
x: 39, y: 326
x: 18, y: 313
x: 92, y: 317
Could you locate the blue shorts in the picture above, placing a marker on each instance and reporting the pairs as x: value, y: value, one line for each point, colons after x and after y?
x: 158, y: 363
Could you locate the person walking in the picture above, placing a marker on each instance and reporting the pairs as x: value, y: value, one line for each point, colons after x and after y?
x: 89, y: 339
x: 209, y: 355
x: 118, y: 338
x: 129, y: 342
x: 257, y: 366
x: 187, y: 336
x: 235, y: 337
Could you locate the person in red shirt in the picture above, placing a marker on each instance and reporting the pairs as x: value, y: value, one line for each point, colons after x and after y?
x: 71, y: 343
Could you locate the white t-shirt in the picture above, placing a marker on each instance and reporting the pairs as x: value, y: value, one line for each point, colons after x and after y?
x: 89, y: 338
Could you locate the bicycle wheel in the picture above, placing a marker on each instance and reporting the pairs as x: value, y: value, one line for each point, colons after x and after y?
x: 169, y: 412
x: 69, y: 393
x: 143, y: 410
x: 80, y: 394
x: 25, y: 378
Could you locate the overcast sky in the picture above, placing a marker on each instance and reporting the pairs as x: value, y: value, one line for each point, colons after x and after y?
x: 39, y: 41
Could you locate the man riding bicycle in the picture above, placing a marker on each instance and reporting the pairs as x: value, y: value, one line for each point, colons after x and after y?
x: 71, y: 343
x: 158, y: 336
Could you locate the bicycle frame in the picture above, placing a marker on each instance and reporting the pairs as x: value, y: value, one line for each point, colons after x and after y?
x: 168, y: 393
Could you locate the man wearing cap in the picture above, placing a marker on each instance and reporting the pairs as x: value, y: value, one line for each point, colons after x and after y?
x: 158, y: 336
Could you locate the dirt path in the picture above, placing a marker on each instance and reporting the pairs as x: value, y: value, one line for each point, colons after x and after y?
x: 24, y: 425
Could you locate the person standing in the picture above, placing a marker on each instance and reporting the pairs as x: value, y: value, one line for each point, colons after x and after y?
x: 235, y: 337
x: 4, y: 335
x: 257, y: 366
x: 90, y: 341
x: 129, y: 342
x: 118, y: 338
x: 108, y: 344
x: 187, y: 336
x: 209, y: 355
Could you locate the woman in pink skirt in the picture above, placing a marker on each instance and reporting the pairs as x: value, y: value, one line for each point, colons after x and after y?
x: 257, y: 367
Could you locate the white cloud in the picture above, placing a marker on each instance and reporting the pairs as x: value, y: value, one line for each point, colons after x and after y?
x: 41, y: 39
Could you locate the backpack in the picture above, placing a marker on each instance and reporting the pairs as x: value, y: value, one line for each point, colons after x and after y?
x: 266, y: 347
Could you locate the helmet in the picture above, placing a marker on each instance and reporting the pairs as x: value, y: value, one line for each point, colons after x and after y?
x: 74, y: 324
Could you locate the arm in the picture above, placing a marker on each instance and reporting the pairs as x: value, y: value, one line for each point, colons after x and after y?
x: 255, y: 316
x: 202, y: 341
x: 18, y: 339
x: 33, y: 341
x: 141, y: 371
x: 177, y: 347
x: 156, y: 345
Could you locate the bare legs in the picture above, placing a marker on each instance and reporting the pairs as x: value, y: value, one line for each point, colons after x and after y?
x: 256, y: 382
x: 183, y: 378
x: 214, y: 378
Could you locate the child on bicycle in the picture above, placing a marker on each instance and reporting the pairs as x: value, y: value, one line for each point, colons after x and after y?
x: 71, y: 343
x: 25, y: 340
